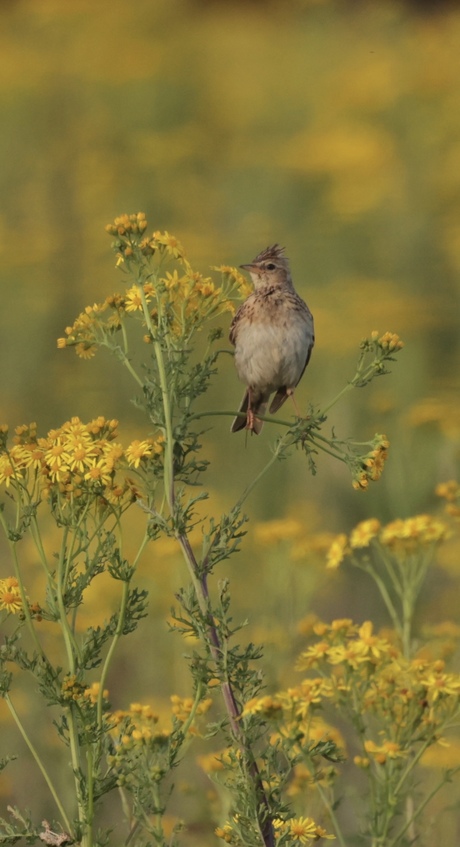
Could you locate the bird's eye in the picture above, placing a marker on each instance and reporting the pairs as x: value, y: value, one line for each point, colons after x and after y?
x: 270, y: 266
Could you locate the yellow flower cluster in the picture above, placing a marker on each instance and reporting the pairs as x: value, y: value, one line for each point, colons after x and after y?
x: 182, y: 707
x: 74, y: 459
x: 302, y: 830
x: 128, y: 225
x: 93, y: 692
x: 413, y: 533
x: 410, y: 701
x: 136, y: 726
x: 450, y: 491
x: 400, y: 537
x: 371, y: 466
x: 10, y: 596
x: 388, y: 342
x: 179, y: 301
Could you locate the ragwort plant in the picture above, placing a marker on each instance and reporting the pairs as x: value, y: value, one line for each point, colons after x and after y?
x: 86, y: 480
x: 393, y: 688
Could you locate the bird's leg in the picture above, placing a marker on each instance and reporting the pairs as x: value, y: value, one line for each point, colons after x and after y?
x: 290, y: 393
x: 250, y: 416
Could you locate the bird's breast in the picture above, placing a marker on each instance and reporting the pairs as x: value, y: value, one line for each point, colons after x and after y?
x: 272, y: 353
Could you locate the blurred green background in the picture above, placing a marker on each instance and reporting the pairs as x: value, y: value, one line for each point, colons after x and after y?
x: 330, y: 127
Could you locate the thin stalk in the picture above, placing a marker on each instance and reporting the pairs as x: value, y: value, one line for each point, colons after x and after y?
x: 234, y: 414
x: 39, y: 763
x: 121, y: 355
x: 332, y: 815
x: 338, y: 396
x: 168, y: 465
x: 361, y: 373
x: 69, y: 640
x: 384, y: 594
x: 75, y: 758
x: 88, y: 838
x: 256, y: 480
x: 325, y: 449
x: 186, y: 726
x: 231, y: 705
x: 111, y: 650
x: 394, y: 841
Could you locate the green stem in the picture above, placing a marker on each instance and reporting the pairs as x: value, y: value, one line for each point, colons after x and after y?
x: 384, y: 594
x: 256, y: 480
x: 123, y: 358
x: 169, y: 463
x: 88, y: 838
x: 39, y: 763
x: 227, y: 414
x: 69, y: 640
x: 331, y: 813
x: 396, y: 840
x: 312, y: 439
x: 75, y: 758
x: 186, y: 726
x: 111, y: 650
x: 338, y: 396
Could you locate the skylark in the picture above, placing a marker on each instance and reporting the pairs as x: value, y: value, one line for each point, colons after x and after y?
x: 273, y: 336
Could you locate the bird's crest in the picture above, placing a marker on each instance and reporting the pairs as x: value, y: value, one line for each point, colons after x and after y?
x: 274, y: 252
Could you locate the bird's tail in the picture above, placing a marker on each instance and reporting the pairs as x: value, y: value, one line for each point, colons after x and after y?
x: 280, y: 397
x: 240, y: 421
x: 257, y: 407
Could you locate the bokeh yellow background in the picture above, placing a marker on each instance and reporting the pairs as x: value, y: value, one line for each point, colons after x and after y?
x: 330, y: 127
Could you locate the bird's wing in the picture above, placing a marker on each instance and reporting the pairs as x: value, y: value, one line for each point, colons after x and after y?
x: 309, y: 352
x: 243, y: 310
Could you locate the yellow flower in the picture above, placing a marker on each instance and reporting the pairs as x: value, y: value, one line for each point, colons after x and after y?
x: 390, y: 341
x: 137, y: 451
x: 79, y: 453
x: 375, y: 646
x: 224, y: 832
x: 125, y: 224
x: 85, y: 350
x: 133, y: 299
x: 361, y: 481
x: 352, y: 654
x: 407, y: 534
x: 99, y: 471
x: 92, y: 693
x: 387, y: 750
x: 449, y: 490
x: 206, y: 288
x: 10, y: 597
x: 314, y: 654
x: 302, y: 830
x: 182, y: 706
x: 267, y: 706
x: 337, y: 551
x: 364, y: 532
x: 172, y: 244
x: 7, y: 471
x: 439, y: 683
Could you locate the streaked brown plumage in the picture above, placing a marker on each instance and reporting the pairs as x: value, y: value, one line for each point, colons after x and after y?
x: 273, y: 336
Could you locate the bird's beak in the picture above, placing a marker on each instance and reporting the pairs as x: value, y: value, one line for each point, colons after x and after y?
x: 250, y: 267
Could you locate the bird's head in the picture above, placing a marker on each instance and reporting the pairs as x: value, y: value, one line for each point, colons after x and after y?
x: 270, y: 267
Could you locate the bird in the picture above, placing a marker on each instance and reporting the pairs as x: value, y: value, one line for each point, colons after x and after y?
x: 273, y: 335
